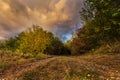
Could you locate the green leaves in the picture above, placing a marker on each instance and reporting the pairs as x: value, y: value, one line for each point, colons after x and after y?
x: 101, y: 25
x: 33, y: 42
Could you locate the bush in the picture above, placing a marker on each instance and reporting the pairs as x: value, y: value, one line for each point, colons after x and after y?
x: 28, y: 55
x: 109, y: 48
x: 41, y: 56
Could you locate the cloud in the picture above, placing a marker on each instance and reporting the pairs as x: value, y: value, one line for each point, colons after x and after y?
x: 58, y: 16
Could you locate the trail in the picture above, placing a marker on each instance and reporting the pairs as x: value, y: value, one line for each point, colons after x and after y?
x: 14, y: 72
x: 102, y: 67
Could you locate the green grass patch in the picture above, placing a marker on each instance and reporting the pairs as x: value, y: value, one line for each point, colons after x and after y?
x: 41, y: 56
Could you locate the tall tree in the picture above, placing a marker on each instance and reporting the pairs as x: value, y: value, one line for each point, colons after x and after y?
x: 103, y: 17
x: 101, y: 25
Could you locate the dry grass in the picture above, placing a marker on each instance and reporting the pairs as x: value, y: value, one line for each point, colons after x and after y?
x: 10, y: 62
x: 86, y: 67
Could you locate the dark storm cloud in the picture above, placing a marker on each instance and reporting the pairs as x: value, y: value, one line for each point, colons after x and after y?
x: 58, y: 16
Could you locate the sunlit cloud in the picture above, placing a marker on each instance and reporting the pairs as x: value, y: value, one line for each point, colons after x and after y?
x: 57, y: 16
x: 2, y: 38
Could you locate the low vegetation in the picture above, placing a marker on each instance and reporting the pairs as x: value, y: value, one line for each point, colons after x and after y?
x: 8, y: 60
x: 86, y: 67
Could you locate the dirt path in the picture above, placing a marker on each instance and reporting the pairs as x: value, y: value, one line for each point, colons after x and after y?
x: 90, y: 67
x: 14, y: 72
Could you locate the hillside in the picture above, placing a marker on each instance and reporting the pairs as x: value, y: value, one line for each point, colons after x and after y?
x: 85, y: 67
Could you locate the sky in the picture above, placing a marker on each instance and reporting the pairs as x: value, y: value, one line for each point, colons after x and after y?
x: 60, y: 17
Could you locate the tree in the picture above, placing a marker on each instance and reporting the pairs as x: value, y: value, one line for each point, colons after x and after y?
x: 103, y: 16
x: 100, y: 25
x: 35, y: 41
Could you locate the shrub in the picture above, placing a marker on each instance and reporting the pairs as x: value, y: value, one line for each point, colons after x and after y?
x: 41, y: 56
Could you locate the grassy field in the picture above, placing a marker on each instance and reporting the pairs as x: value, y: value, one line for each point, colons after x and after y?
x: 9, y: 61
x: 84, y: 67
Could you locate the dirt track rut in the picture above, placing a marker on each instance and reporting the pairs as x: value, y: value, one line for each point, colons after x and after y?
x: 14, y: 72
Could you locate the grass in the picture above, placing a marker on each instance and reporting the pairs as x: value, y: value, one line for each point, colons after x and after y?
x: 69, y: 75
x: 4, y: 66
x: 86, y: 67
x: 6, y: 63
x: 30, y: 76
x: 41, y: 56
x: 108, y: 48
x: 9, y: 59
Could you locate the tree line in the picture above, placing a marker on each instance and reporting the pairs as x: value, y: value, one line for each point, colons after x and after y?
x: 101, y: 26
x: 35, y: 41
